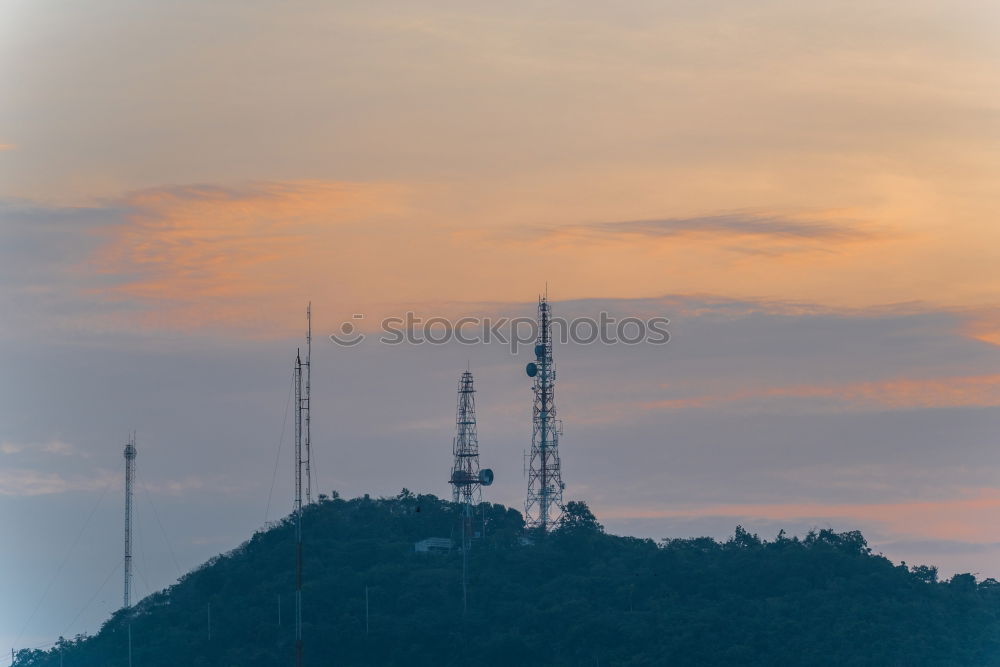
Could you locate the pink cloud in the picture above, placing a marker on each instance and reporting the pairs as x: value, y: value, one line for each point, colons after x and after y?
x: 973, y: 517
x: 898, y: 393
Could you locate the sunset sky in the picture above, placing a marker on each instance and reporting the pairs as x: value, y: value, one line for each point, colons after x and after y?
x: 808, y: 191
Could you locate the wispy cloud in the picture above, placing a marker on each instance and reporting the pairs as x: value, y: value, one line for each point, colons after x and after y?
x: 178, y: 257
x: 204, y: 242
x: 57, y: 447
x: 747, y: 232
x: 30, y: 482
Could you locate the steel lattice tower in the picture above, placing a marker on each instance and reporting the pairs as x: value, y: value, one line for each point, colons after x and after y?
x: 466, y: 487
x: 129, y: 454
x: 544, y: 505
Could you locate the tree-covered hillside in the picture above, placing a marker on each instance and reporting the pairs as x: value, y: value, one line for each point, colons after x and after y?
x: 576, y: 597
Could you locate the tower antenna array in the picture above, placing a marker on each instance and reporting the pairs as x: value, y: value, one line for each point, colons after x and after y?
x: 467, y: 478
x: 129, y: 454
x: 466, y: 486
x: 544, y: 505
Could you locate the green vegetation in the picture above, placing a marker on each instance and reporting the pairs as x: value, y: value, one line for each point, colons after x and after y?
x: 575, y: 597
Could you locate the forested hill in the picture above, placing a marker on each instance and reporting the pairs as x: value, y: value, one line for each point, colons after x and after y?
x: 576, y: 597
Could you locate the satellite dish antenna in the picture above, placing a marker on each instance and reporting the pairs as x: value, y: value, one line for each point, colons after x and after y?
x: 539, y: 351
x: 486, y: 476
x: 531, y: 369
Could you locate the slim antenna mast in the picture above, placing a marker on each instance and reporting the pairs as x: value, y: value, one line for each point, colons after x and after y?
x: 298, y: 509
x: 543, y: 507
x: 303, y: 387
x: 306, y: 405
x: 130, y: 454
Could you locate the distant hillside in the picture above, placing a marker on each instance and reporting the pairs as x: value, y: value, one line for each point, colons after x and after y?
x: 578, y: 597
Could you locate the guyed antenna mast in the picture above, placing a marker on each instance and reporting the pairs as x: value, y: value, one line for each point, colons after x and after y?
x: 129, y: 454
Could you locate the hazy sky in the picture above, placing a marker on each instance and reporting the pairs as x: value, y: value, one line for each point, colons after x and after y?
x: 807, y: 190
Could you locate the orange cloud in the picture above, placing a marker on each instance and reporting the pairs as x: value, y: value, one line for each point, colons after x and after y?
x: 973, y: 517
x: 984, y: 327
x: 200, y: 255
x: 977, y: 390
x: 247, y: 257
x: 895, y: 394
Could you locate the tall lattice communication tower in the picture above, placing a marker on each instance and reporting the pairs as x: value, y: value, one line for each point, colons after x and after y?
x: 129, y: 454
x: 544, y: 505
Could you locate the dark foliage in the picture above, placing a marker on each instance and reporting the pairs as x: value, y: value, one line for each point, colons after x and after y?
x: 575, y: 597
